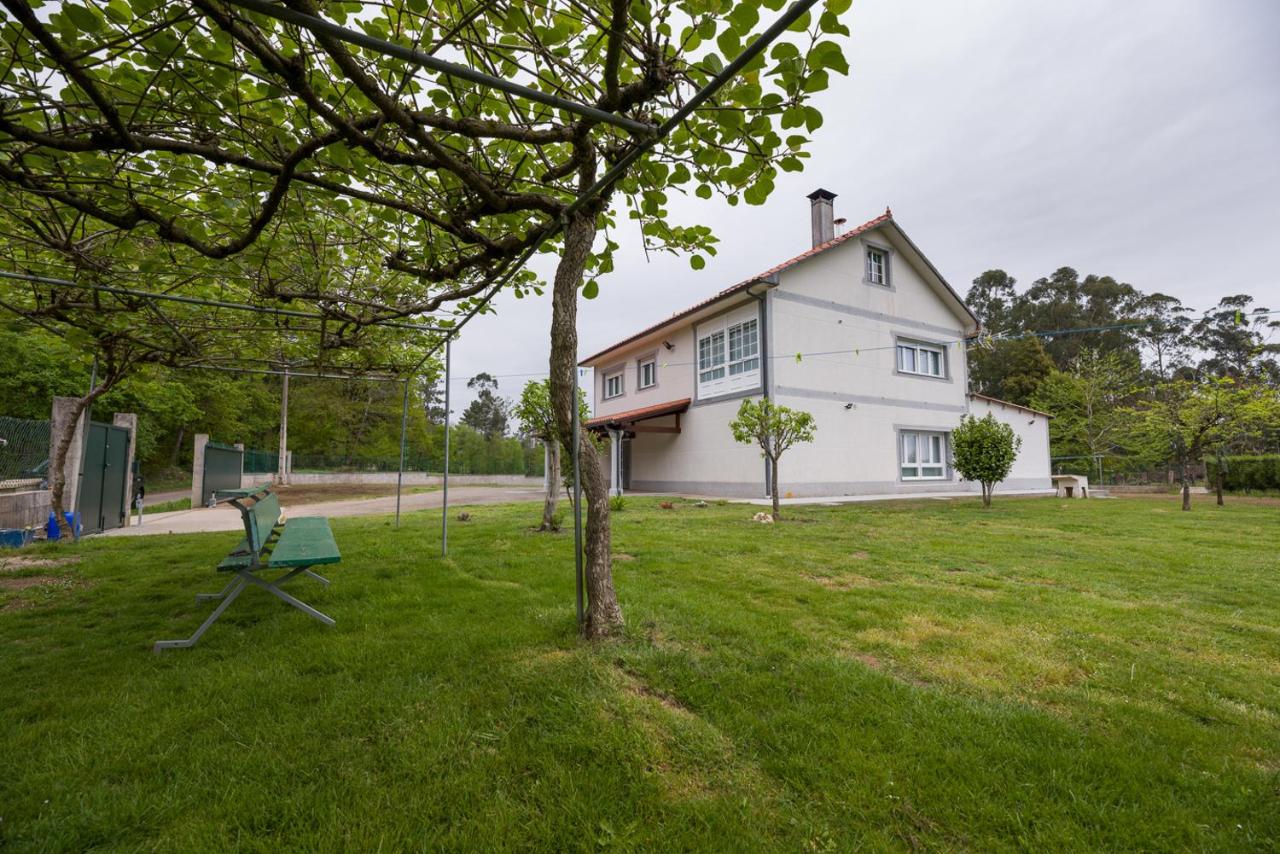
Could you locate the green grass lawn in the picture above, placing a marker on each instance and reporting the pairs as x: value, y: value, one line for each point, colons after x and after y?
x: 1045, y: 675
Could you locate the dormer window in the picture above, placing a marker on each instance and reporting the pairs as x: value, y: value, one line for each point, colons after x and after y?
x: 877, y: 266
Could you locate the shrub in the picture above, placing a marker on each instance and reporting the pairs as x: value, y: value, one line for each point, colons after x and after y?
x: 618, y: 503
x: 1247, y: 473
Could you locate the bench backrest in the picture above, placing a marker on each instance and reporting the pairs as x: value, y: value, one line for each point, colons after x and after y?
x: 261, y: 519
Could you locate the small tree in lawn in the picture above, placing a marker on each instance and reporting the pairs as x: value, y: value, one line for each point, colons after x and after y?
x: 984, y: 450
x: 538, y: 420
x: 775, y: 429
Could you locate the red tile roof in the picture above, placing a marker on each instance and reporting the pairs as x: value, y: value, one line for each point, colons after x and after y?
x: 990, y: 399
x: 885, y: 217
x: 669, y: 408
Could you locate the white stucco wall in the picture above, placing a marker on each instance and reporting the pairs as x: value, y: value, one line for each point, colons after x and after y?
x: 1031, y: 470
x: 675, y: 373
x: 702, y: 458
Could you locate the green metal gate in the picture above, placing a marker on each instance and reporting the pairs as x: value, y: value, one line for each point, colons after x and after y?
x: 103, y: 503
x: 223, y: 466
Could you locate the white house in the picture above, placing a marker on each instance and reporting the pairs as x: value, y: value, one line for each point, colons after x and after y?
x: 860, y: 330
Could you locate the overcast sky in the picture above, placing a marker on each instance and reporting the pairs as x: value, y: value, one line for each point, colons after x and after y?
x: 1137, y: 139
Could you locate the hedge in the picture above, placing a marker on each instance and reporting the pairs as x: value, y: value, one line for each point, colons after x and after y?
x: 1247, y: 473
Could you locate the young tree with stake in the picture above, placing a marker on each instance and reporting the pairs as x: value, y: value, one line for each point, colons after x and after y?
x: 775, y: 429
x: 538, y: 421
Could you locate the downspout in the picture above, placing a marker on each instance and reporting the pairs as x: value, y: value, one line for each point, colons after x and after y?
x: 771, y: 282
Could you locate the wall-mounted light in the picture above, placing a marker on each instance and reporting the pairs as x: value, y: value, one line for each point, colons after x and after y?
x: 668, y: 345
x: 848, y: 406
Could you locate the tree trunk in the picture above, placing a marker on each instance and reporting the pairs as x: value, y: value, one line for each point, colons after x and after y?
x: 553, y: 487
x: 986, y: 494
x: 177, y: 447
x: 1186, y: 485
x: 58, y: 459
x: 773, y: 488
x: 604, y: 615
x: 1218, y: 480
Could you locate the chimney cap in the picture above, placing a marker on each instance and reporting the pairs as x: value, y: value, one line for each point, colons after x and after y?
x: 821, y: 194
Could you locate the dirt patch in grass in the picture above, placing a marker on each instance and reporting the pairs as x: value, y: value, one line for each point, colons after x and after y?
x: 623, y: 556
x: 849, y: 581
x: 26, y: 581
x: 18, y: 562
x: 637, y: 686
x: 858, y: 555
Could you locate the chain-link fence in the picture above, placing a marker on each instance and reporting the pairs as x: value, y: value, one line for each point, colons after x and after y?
x: 24, y: 452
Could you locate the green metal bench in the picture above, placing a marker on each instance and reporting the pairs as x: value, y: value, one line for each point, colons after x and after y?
x: 294, y: 546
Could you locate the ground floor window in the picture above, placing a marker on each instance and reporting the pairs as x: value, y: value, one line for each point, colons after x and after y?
x: 923, y: 456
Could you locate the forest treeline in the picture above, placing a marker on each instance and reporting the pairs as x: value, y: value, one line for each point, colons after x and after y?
x: 1137, y: 379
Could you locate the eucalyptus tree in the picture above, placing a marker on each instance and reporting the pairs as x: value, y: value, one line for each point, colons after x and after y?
x: 207, y: 124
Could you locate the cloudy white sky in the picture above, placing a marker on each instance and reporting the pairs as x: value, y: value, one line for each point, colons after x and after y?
x: 1138, y: 139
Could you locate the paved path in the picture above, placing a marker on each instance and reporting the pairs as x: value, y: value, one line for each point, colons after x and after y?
x: 227, y: 518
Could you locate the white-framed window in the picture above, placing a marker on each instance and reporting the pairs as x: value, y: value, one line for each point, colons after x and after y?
x: 613, y: 385
x: 923, y: 455
x: 877, y: 266
x: 924, y: 359
x: 648, y: 373
x: 729, y: 353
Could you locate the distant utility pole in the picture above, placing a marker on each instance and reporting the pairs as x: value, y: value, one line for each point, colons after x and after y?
x: 282, y: 473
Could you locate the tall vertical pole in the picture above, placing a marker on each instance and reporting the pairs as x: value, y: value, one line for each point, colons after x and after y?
x: 85, y: 417
x: 577, y: 503
x: 281, y: 473
x: 404, y: 421
x: 444, y: 512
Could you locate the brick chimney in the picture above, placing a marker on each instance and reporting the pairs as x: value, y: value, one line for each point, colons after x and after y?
x: 822, y: 215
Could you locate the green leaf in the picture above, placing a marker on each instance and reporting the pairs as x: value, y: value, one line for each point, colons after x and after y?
x: 697, y: 262
x: 591, y: 289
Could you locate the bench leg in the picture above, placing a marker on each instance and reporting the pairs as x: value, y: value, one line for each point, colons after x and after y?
x: 236, y: 587
x: 273, y: 587
x: 213, y: 597
x: 317, y: 576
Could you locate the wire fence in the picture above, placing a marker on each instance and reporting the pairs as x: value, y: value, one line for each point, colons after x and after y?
x: 24, y: 452
x: 261, y: 462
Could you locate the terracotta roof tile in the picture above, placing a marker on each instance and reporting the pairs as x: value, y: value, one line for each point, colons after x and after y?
x: 669, y: 408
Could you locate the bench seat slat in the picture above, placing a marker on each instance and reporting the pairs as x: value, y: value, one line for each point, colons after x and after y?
x: 305, y: 541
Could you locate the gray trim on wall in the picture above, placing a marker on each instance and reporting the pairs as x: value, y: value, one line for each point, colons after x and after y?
x: 832, y: 305
x: 721, y: 398
x: 837, y: 489
x: 815, y: 394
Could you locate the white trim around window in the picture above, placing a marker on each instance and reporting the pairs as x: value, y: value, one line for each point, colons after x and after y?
x: 922, y: 455
x: 728, y: 353
x: 646, y: 373
x: 614, y: 384
x: 921, y: 359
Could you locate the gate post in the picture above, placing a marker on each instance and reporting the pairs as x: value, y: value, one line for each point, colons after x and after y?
x: 197, y: 471
x: 59, y: 418
x: 128, y: 421
x: 239, y: 446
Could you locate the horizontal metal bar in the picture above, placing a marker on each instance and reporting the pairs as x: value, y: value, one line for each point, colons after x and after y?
x: 426, y: 60
x: 236, y: 306
x: 232, y: 369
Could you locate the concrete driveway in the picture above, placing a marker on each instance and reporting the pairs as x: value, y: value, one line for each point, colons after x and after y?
x: 227, y: 518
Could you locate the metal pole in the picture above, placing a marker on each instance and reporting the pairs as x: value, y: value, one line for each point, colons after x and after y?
x: 577, y: 504
x: 404, y: 421
x: 444, y: 512
x: 281, y: 474
x: 85, y: 417
x: 426, y: 60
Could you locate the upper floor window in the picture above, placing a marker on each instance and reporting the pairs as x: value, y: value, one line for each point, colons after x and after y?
x: 648, y: 373
x: 924, y: 359
x: 922, y: 456
x: 729, y: 353
x: 877, y: 266
x: 613, y: 385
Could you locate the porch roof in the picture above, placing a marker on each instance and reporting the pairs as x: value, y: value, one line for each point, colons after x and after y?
x: 631, y: 416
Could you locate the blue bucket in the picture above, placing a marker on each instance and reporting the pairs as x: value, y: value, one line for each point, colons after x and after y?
x: 15, y: 538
